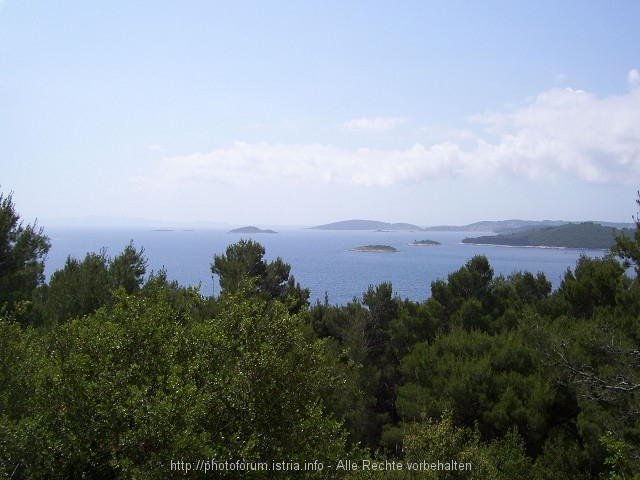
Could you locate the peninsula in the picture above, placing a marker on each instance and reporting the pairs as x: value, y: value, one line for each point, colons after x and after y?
x: 513, y: 226
x: 586, y: 235
x: 250, y: 229
x: 375, y: 249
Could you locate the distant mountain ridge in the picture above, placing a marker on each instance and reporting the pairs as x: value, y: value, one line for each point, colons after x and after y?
x: 515, y: 225
x: 367, y: 225
x: 498, y: 226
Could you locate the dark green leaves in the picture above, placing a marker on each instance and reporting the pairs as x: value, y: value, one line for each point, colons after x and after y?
x: 22, y: 253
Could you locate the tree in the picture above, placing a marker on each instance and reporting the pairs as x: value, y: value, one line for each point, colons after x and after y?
x: 127, y: 269
x: 462, y: 449
x: 124, y: 392
x: 597, y: 282
x: 598, y: 359
x: 496, y: 381
x: 383, y: 307
x: 598, y: 356
x: 22, y: 253
x: 628, y: 249
x: 361, y: 335
x: 473, y: 281
x: 81, y: 287
x: 244, y: 260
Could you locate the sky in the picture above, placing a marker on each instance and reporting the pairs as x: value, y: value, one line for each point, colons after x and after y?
x: 307, y: 112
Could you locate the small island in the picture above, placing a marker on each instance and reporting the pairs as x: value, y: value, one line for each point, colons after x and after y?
x: 375, y: 249
x: 250, y: 229
x: 423, y: 243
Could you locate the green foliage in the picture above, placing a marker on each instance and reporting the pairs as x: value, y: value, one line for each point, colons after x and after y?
x: 413, y: 323
x: 127, y: 269
x: 383, y: 308
x: 437, y: 448
x: 363, y: 334
x: 244, y: 260
x: 518, y: 290
x: 617, y: 458
x: 492, y: 380
x: 82, y: 287
x: 628, y: 248
x: 471, y: 283
x: 22, y: 253
x: 600, y: 363
x: 277, y: 379
x: 124, y: 391
x: 562, y: 457
x: 597, y: 358
x: 596, y: 282
x: 473, y: 280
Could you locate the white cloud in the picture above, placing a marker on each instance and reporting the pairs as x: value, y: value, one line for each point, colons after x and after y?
x: 569, y: 133
x: 633, y: 78
x: 561, y: 134
x: 377, y: 124
x: 246, y: 164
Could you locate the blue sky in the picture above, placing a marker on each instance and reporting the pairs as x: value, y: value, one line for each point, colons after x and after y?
x: 307, y: 112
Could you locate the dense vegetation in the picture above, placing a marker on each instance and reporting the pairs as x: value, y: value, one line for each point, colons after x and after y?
x: 586, y: 235
x: 107, y: 371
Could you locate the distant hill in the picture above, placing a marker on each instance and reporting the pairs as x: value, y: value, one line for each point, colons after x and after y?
x: 250, y: 229
x: 367, y: 225
x: 587, y: 235
x: 500, y: 226
x: 514, y: 225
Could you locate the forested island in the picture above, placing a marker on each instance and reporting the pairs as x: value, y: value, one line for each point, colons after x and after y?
x: 375, y: 249
x: 587, y: 235
x: 424, y: 243
x: 250, y: 229
x: 108, y: 371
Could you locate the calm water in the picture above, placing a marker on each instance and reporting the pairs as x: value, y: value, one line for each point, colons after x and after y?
x: 320, y: 260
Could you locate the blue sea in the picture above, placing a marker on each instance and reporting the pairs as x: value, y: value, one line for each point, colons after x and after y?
x: 320, y: 260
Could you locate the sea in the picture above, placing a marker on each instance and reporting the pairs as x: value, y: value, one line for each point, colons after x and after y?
x: 320, y: 260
